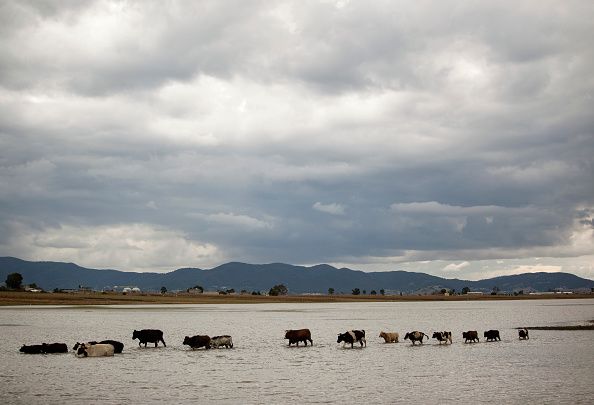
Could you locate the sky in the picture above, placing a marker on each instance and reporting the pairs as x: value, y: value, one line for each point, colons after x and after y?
x: 454, y: 138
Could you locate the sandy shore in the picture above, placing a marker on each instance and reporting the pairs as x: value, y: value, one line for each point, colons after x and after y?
x: 28, y: 298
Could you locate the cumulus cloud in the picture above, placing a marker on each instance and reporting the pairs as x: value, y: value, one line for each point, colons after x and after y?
x: 425, y: 132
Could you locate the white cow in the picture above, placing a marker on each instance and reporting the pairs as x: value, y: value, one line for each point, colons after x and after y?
x: 98, y: 350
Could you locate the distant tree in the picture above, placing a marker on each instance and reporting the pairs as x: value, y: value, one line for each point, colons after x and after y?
x: 364, y: 292
x: 443, y: 291
x: 14, y: 281
x: 453, y: 291
x: 356, y: 291
x: 373, y: 292
x: 330, y: 291
x: 279, y: 289
x: 163, y: 290
x: 244, y: 291
x: 465, y: 290
x: 230, y: 291
x: 495, y: 290
x: 383, y: 292
x: 256, y: 293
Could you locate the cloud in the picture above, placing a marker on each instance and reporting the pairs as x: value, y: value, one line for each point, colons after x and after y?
x: 332, y: 208
x: 461, y: 138
x: 455, y: 267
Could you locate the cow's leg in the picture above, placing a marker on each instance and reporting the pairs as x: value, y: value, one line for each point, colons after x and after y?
x: 311, y: 342
x: 162, y: 340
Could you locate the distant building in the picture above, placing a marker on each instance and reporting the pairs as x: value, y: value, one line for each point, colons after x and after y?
x: 475, y: 293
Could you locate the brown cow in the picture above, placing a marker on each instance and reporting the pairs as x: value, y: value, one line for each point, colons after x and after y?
x: 298, y: 335
x: 471, y: 335
x: 389, y: 337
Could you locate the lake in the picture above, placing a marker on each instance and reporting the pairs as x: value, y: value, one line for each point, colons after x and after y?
x: 552, y: 367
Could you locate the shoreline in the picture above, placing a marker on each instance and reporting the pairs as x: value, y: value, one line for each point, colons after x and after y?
x: 14, y: 298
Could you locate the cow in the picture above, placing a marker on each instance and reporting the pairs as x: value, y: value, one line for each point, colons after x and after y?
x: 148, y: 336
x: 492, y: 335
x: 471, y: 335
x: 224, y: 340
x: 98, y: 350
x: 523, y: 334
x: 415, y: 336
x: 351, y: 337
x: 298, y: 335
x: 389, y: 337
x: 32, y: 349
x: 54, y: 348
x: 118, y: 347
x: 45, y: 348
x: 443, y: 337
x: 198, y: 341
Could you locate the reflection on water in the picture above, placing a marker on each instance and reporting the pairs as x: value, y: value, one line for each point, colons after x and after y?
x: 551, y: 367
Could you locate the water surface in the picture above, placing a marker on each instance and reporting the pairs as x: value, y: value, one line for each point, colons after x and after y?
x: 551, y: 367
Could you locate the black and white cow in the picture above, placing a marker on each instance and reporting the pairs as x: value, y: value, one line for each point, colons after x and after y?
x: 415, y: 336
x: 523, y: 334
x: 118, y: 347
x: 443, y: 336
x: 492, y: 335
x: 98, y: 350
x: 351, y: 337
x: 148, y: 336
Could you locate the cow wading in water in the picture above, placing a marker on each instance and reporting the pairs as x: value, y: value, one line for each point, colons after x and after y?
x: 148, y: 336
x: 198, y: 341
x: 471, y: 335
x: 492, y: 335
x: 389, y: 337
x: 523, y: 334
x: 444, y: 336
x: 298, y: 335
x: 118, y: 347
x: 351, y: 337
x: 97, y: 350
x: 415, y: 336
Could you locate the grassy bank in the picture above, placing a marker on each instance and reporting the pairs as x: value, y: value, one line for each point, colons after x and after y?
x: 28, y: 298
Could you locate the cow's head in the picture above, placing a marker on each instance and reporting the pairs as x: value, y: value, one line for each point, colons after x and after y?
x: 407, y: 336
x: 382, y: 334
x: 82, y: 350
x: 342, y: 337
x: 135, y: 335
x: 186, y: 340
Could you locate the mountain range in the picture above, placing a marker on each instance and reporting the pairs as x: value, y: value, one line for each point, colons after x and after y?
x: 261, y: 277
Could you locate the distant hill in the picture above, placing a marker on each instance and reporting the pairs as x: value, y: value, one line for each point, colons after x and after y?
x: 260, y: 277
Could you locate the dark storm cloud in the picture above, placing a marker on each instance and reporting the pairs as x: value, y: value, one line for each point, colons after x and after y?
x: 144, y: 136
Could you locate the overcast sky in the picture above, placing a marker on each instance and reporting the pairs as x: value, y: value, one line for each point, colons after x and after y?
x: 449, y: 137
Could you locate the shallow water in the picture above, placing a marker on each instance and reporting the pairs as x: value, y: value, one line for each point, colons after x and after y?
x: 551, y: 367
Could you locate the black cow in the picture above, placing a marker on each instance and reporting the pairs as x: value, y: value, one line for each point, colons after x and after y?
x: 45, y: 348
x: 523, y: 334
x: 117, y: 346
x: 32, y: 349
x: 198, y: 341
x: 351, y: 337
x: 55, y: 348
x: 492, y: 335
x: 415, y: 336
x: 471, y: 335
x: 148, y: 336
x: 298, y: 335
x: 443, y: 336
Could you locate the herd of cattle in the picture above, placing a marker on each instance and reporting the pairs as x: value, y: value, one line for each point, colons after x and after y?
x: 109, y: 347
